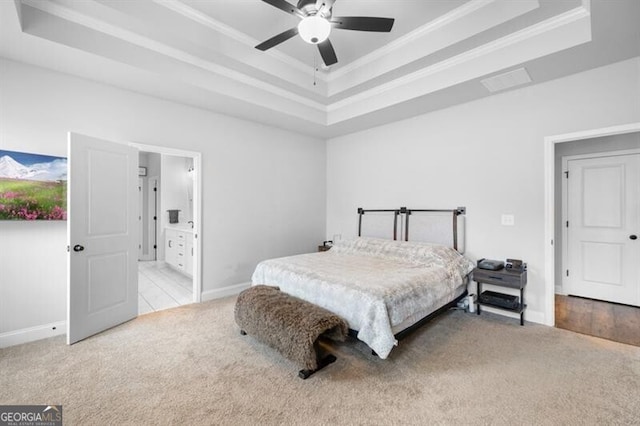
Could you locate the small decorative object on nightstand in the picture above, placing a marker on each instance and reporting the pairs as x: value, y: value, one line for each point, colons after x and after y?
x: 326, y: 245
x: 513, y: 276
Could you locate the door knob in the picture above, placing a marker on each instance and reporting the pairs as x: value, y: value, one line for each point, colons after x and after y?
x: 633, y: 237
x: 78, y: 247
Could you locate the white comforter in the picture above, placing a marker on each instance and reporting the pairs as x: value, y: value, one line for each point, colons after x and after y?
x: 373, y: 284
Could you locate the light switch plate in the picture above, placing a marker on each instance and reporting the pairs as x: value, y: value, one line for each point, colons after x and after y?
x: 508, y: 220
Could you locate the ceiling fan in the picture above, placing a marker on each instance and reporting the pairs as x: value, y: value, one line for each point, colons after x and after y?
x: 316, y: 21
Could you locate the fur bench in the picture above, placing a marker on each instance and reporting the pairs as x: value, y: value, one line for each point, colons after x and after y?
x: 289, y: 325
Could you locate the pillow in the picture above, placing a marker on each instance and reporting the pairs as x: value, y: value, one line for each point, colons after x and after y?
x: 416, y: 253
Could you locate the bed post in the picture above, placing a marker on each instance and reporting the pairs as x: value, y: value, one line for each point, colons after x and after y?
x: 395, y: 223
x: 456, y: 212
x: 407, y: 213
x: 455, y: 230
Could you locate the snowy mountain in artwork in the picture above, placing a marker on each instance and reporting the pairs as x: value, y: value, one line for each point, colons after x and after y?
x: 50, y: 171
x: 10, y: 168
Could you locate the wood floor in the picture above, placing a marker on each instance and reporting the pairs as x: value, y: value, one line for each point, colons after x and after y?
x: 611, y: 321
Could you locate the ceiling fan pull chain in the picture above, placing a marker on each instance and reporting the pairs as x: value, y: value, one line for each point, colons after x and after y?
x: 315, y: 66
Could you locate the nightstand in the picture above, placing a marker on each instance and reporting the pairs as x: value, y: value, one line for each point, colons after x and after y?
x: 503, y: 278
x: 326, y: 245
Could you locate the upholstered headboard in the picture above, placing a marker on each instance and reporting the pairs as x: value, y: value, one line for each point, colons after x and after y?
x: 446, y: 227
x: 379, y: 223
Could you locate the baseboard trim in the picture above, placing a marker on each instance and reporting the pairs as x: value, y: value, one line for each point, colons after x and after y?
x: 31, y: 334
x: 534, y: 316
x: 218, y: 293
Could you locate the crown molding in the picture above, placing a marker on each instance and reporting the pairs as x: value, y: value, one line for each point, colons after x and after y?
x: 411, y: 37
x: 147, y: 43
x: 219, y: 27
x: 559, y: 32
x: 564, y: 19
x: 459, y: 24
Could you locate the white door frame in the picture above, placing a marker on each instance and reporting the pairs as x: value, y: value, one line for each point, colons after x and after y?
x: 140, y: 217
x: 197, y: 208
x: 549, y: 203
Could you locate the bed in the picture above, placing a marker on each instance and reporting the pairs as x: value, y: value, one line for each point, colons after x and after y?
x: 380, y: 286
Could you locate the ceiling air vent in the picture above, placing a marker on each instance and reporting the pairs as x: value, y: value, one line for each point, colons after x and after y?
x: 507, y: 80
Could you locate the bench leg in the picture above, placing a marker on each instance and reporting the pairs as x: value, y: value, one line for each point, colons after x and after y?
x: 329, y: 359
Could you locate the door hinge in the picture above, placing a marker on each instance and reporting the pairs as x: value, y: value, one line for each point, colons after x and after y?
x: 68, y: 249
x: 567, y: 224
x: 155, y: 246
x: 155, y: 189
x: 567, y: 272
x: 155, y: 218
x: 566, y: 174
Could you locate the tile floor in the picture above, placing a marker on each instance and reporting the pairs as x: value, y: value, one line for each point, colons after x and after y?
x: 160, y: 287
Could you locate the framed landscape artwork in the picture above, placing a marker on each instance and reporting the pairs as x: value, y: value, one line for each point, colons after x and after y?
x: 32, y: 186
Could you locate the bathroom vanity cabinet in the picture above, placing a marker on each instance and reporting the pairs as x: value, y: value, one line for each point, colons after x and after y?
x: 178, y: 249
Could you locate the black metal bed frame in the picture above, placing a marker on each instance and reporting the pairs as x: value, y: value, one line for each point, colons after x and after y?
x: 407, y: 212
x: 395, y: 212
x: 404, y: 333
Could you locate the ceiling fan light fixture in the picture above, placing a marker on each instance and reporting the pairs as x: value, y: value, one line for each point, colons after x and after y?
x: 314, y: 29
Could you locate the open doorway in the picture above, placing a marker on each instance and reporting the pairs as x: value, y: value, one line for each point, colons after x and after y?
x: 169, y: 246
x: 591, y: 212
x: 595, y: 209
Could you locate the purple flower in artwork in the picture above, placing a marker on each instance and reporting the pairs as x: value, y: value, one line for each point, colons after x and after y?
x: 57, y: 213
x: 26, y: 214
x: 10, y: 195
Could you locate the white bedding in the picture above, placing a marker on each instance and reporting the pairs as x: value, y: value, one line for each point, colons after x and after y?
x: 378, y: 286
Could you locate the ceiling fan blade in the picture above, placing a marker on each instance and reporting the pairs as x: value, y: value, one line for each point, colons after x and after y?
x: 285, y: 6
x: 363, y: 23
x: 328, y: 54
x: 275, y: 40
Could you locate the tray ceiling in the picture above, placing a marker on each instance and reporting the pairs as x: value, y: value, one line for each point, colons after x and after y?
x: 202, y: 52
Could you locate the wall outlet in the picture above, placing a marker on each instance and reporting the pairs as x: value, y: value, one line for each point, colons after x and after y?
x: 508, y: 220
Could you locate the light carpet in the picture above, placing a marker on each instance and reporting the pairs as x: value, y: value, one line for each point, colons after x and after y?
x: 190, y: 365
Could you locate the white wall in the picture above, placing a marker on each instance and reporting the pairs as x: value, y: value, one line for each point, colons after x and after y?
x: 263, y: 188
x: 175, y: 189
x: 487, y: 155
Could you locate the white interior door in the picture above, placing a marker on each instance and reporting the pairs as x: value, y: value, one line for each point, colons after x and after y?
x: 102, y: 235
x: 603, y: 213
